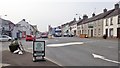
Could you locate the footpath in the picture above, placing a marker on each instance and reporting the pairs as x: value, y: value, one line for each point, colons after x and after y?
x: 24, y: 61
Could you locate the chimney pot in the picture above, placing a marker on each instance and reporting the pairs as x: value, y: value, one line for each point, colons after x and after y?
x: 85, y: 16
x: 116, y: 6
x: 23, y: 19
x: 93, y: 14
x: 104, y: 10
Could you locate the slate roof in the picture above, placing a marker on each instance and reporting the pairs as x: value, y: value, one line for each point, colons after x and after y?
x: 79, y: 22
x: 72, y: 22
x: 98, y: 17
x: 114, y: 13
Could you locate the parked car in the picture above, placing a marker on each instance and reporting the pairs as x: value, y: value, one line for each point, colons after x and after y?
x: 29, y: 38
x: 44, y: 35
x: 68, y: 35
x: 5, y: 38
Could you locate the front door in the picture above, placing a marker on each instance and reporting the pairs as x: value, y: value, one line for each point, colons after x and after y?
x: 75, y: 32
x: 118, y: 32
x: 106, y: 31
x: 91, y: 32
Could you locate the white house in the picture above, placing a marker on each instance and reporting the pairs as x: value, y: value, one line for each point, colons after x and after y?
x: 22, y: 29
x: 65, y: 28
x: 74, y: 28
x: 112, y: 23
x: 6, y: 27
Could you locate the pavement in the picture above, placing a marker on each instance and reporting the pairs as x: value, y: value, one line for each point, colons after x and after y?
x: 23, y: 60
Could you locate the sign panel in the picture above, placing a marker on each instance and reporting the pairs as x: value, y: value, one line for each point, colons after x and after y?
x: 38, y: 48
x: 90, y: 25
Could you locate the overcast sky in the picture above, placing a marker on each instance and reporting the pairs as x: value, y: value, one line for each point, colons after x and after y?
x: 51, y: 12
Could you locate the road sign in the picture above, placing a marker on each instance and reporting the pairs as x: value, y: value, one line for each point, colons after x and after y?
x: 38, y: 49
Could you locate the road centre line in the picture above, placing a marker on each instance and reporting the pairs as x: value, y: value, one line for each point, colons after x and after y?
x: 64, y: 44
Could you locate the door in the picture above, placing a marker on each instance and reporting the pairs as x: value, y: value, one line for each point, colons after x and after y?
x: 75, y: 32
x: 106, y: 32
x: 91, y: 32
x: 118, y: 32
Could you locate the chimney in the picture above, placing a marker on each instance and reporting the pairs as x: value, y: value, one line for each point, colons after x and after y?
x: 85, y: 16
x: 79, y: 18
x: 116, y: 6
x: 74, y: 19
x: 23, y: 19
x: 104, y: 10
x: 93, y: 14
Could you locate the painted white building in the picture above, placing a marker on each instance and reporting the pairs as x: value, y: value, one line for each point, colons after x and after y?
x: 65, y: 28
x: 25, y: 25
x: 22, y: 29
x: 112, y: 23
x: 74, y: 28
x: 6, y: 27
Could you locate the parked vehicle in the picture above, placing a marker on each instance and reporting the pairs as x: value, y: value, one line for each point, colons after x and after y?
x: 5, y: 38
x: 29, y: 38
x: 68, y: 35
x: 44, y: 35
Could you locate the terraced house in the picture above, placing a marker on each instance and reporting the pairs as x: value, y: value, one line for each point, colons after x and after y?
x: 94, y: 26
x: 105, y: 23
x: 112, y: 23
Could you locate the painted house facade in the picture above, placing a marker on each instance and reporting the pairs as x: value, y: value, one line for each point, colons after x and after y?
x: 73, y: 27
x: 65, y: 28
x: 6, y: 27
x: 22, y: 29
x: 112, y: 23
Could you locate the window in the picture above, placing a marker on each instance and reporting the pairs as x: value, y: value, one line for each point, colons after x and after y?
x: 106, y: 22
x: 88, y: 32
x: 95, y: 24
x: 95, y: 31
x: 99, y: 31
x: 111, y: 21
x: 80, y: 31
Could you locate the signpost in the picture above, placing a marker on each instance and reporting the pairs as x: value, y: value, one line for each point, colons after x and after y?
x: 38, y: 49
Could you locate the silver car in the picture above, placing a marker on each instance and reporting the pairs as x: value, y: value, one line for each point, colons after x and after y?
x: 5, y: 38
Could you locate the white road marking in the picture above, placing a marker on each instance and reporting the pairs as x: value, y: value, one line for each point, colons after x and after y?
x: 64, y: 44
x: 53, y: 61
x: 103, y: 58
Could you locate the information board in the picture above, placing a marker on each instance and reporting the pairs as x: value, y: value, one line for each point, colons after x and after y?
x: 38, y: 48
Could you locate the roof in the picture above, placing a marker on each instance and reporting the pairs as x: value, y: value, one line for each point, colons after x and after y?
x: 72, y: 22
x: 79, y: 22
x: 114, y: 13
x: 8, y: 21
x: 98, y: 17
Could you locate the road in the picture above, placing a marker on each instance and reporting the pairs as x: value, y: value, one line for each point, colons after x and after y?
x: 77, y: 54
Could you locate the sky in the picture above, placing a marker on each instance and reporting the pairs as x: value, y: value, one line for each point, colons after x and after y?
x: 51, y: 12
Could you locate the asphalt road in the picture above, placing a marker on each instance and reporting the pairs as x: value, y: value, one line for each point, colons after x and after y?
x: 80, y: 54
